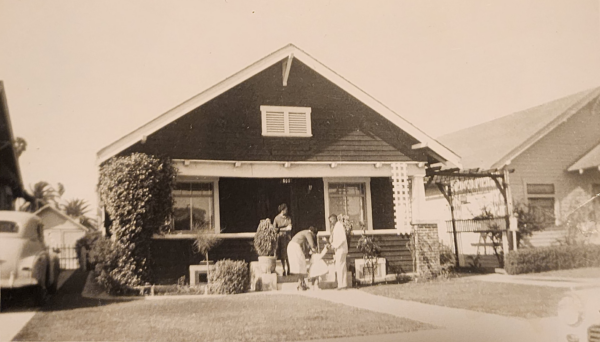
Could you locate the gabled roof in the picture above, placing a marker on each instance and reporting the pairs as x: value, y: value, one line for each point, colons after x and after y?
x: 589, y: 160
x: 52, y: 209
x: 287, y: 52
x: 495, y: 143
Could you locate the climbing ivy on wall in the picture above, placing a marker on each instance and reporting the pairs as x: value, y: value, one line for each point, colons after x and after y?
x: 136, y: 191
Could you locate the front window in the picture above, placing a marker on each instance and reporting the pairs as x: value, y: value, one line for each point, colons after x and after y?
x: 349, y: 199
x: 194, y: 206
x: 541, y: 197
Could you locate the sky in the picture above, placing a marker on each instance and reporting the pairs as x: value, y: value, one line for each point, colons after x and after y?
x: 81, y: 74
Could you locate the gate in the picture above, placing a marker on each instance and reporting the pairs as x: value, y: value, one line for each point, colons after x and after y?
x: 67, y: 256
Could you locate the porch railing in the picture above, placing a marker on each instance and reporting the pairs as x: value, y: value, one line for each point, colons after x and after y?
x: 477, y: 225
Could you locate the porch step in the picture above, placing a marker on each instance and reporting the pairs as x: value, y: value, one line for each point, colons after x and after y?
x: 293, y: 286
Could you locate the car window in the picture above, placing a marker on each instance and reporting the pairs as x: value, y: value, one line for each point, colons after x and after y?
x: 8, y: 227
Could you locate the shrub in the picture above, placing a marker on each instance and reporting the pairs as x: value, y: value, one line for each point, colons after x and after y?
x: 552, y: 258
x: 87, y: 241
x: 137, y: 194
x: 229, y: 277
x: 112, y: 269
x: 265, y: 239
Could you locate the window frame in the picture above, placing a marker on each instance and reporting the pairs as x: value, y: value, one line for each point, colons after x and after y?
x: 543, y: 195
x: 215, y: 200
x: 286, y: 110
x: 366, y: 181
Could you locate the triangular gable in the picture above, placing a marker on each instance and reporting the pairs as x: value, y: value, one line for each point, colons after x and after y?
x: 588, y: 161
x: 495, y: 143
x: 287, y: 52
x: 62, y: 215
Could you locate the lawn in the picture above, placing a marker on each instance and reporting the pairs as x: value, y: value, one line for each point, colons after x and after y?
x: 587, y: 272
x: 498, y: 298
x: 247, y: 317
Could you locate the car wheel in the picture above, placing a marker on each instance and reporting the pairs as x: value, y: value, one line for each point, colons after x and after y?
x: 52, y: 287
x: 40, y: 295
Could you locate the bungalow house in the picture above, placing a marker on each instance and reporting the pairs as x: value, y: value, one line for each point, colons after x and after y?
x: 554, y: 150
x: 287, y: 129
x: 62, y: 231
x: 11, y: 185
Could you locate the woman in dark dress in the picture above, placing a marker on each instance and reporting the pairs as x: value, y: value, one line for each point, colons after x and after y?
x: 283, y: 224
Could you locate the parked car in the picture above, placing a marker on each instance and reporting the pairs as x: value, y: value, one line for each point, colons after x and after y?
x: 579, y: 313
x: 25, y: 261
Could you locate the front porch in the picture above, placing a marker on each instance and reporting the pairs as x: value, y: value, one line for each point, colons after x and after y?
x: 232, y: 197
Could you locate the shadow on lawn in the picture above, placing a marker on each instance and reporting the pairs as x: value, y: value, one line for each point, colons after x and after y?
x: 68, y: 297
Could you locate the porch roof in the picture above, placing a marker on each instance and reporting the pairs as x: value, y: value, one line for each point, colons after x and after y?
x: 589, y: 160
x: 286, y: 54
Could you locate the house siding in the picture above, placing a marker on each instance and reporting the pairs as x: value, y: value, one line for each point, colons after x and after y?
x: 229, y: 126
x: 548, y: 159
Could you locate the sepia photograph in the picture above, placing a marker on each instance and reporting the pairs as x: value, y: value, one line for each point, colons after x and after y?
x: 324, y: 171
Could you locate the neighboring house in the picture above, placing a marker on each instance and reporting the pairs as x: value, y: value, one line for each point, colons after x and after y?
x: 287, y: 129
x: 11, y: 185
x: 60, y: 229
x: 554, y: 150
x: 62, y: 232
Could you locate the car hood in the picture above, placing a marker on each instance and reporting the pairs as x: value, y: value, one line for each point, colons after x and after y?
x: 10, y: 253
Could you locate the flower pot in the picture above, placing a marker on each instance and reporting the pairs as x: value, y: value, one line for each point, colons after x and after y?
x: 266, y: 264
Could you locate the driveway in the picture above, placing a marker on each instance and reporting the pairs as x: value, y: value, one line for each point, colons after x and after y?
x: 16, y: 315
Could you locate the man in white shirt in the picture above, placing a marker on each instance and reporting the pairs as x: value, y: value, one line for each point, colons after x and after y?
x: 340, y: 247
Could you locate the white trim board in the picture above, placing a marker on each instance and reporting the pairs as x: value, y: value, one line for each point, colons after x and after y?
x: 275, y: 57
x: 247, y: 169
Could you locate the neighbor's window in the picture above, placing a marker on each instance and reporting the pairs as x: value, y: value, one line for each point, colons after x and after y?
x: 286, y: 121
x: 194, y: 207
x: 541, y: 197
x: 349, y: 199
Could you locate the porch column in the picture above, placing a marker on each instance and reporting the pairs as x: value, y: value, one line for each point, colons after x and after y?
x: 418, y: 198
x: 401, y: 197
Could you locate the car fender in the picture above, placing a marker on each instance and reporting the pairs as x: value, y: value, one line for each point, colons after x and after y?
x: 34, y: 267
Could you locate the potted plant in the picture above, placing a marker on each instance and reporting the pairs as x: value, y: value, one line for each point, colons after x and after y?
x: 265, y: 244
x: 206, y: 239
x: 370, y: 251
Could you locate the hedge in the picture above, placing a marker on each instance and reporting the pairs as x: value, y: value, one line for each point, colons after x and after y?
x: 229, y: 277
x: 552, y: 258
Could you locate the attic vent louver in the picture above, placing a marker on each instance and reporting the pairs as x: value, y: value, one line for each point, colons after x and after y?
x: 286, y: 121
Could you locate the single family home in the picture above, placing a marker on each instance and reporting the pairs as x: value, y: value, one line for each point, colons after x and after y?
x: 287, y: 129
x: 11, y: 184
x: 553, y: 152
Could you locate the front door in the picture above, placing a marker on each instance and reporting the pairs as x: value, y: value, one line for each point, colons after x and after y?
x: 308, y: 204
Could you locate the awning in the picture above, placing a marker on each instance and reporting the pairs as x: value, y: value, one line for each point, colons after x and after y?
x: 588, y: 161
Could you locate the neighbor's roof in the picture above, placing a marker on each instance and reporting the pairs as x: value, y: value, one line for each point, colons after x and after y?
x: 289, y: 51
x: 9, y: 155
x: 52, y: 209
x: 588, y: 161
x: 495, y: 143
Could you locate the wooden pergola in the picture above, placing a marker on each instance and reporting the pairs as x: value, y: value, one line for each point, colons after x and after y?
x: 443, y: 179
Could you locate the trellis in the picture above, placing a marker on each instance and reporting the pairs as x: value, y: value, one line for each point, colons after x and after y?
x: 402, y: 205
x: 444, y: 180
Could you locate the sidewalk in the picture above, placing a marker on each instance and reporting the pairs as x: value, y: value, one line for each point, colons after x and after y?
x: 454, y: 324
x: 534, y: 280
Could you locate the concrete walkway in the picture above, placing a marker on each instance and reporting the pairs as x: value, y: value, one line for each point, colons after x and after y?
x: 454, y: 324
x: 561, y: 282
